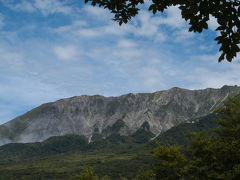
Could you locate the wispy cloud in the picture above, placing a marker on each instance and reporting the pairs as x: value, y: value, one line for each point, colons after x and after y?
x: 45, y: 7
x: 97, y: 13
x: 173, y: 18
x: 183, y: 35
x: 65, y: 50
x: 1, y: 20
x: 21, y: 6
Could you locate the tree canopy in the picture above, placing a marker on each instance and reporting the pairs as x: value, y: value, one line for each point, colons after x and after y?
x: 196, y: 12
x: 206, y: 157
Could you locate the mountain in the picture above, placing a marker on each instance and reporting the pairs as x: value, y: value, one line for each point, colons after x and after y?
x: 75, y: 143
x: 130, y: 114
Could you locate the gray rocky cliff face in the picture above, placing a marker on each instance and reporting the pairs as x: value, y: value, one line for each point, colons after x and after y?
x: 85, y: 115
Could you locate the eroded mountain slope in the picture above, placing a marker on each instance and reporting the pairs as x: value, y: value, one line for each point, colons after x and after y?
x: 86, y: 115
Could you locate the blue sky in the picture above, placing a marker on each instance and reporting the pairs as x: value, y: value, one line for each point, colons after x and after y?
x: 52, y: 49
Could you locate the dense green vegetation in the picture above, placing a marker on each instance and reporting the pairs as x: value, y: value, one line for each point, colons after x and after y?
x: 178, y: 134
x: 143, y: 134
x: 215, y: 157
x: 64, y: 157
x: 116, y: 160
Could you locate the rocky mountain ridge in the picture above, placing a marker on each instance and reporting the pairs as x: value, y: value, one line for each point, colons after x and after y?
x: 88, y: 115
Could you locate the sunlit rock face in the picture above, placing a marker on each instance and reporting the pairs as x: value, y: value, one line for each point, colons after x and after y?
x: 85, y: 115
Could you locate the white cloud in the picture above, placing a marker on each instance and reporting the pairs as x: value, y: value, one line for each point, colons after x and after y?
x: 23, y: 6
x: 144, y: 25
x: 212, y: 78
x: 183, y: 35
x: 174, y: 18
x: 72, y: 28
x: 11, y: 61
x: 152, y: 78
x: 114, y: 29
x: 66, y: 53
x: 46, y: 7
x: 208, y: 58
x: 89, y: 32
x: 97, y: 12
x: 148, y: 26
x: 127, y: 53
x: 212, y: 23
x: 52, y: 6
x: 209, y: 73
x: 126, y: 43
x: 82, y: 28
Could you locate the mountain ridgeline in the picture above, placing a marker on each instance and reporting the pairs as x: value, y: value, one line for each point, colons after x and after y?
x: 143, y: 115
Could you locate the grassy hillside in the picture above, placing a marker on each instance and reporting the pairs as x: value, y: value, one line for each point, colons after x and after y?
x: 67, y: 165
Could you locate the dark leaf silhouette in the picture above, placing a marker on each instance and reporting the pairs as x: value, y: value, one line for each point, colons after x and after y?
x: 195, y: 12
